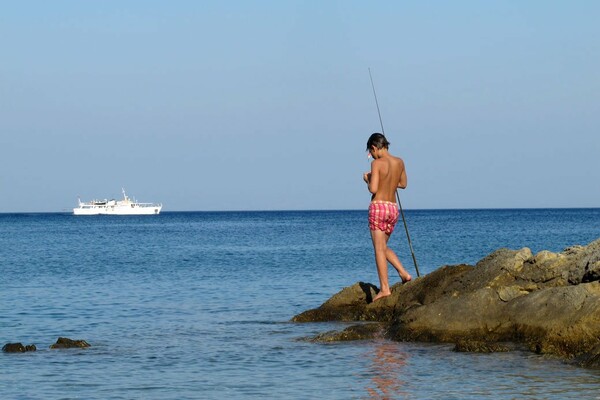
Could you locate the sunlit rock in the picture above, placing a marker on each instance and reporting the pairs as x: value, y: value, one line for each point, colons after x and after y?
x: 548, y: 302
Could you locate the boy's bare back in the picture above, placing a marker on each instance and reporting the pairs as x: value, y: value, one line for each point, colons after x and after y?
x: 387, y: 174
x: 392, y: 175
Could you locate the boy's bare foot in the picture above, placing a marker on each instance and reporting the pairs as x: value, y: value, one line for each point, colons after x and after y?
x: 406, y: 278
x: 381, y: 295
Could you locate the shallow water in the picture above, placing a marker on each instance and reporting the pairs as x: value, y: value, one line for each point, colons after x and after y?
x: 197, y: 305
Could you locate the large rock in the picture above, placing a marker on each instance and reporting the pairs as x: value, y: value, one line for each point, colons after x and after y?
x: 549, y: 302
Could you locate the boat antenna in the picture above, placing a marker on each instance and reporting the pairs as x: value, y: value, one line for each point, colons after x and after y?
x: 397, y: 194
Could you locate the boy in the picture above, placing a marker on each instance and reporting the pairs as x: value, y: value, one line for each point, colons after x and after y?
x: 387, y: 174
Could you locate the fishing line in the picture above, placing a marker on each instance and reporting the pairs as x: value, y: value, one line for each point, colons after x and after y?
x: 397, y: 194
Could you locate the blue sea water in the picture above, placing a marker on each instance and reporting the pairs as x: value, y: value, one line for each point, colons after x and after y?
x: 197, y: 306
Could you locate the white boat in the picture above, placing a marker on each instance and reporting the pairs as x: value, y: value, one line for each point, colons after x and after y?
x: 116, y: 207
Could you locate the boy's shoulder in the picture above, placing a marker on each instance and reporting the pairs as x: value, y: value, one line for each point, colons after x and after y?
x: 398, y: 159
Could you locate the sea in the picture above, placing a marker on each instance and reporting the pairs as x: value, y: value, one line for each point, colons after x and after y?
x: 197, y: 305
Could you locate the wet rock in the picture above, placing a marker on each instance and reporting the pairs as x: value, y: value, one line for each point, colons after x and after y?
x: 354, y: 332
x: 476, y: 346
x: 590, y: 359
x: 548, y: 302
x: 18, y: 348
x: 66, y: 343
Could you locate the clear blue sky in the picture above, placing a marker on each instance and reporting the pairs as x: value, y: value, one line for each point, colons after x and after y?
x: 259, y: 105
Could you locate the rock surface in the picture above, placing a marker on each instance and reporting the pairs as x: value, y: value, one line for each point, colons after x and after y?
x: 18, y: 348
x: 355, y: 332
x: 548, y: 302
x: 66, y: 343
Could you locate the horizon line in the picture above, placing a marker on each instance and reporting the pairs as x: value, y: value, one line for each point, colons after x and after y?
x: 331, y: 209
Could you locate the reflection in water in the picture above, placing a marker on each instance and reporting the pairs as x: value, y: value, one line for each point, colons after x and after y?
x: 388, y: 361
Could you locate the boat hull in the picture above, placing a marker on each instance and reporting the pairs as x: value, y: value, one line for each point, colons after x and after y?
x: 117, y: 207
x: 114, y: 210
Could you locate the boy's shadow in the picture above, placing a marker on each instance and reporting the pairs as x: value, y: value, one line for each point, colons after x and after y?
x: 368, y: 289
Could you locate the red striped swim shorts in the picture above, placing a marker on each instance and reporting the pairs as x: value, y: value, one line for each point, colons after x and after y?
x: 383, y: 216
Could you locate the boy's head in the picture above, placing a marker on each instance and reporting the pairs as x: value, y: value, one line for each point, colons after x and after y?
x: 377, y: 140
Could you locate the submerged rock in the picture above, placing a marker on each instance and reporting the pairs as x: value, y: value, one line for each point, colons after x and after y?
x: 66, y: 343
x: 18, y: 348
x: 354, y: 332
x: 475, y: 346
x: 549, y: 302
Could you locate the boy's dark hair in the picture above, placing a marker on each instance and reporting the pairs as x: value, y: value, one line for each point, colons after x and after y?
x: 377, y: 140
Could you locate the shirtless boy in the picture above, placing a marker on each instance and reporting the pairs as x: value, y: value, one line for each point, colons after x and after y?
x: 387, y: 174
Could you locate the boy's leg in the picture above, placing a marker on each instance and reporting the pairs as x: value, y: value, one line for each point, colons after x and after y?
x: 380, y: 247
x: 395, y: 261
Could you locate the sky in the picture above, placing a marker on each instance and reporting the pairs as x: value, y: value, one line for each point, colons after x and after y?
x: 267, y: 105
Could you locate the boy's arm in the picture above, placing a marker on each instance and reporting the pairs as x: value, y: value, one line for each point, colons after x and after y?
x: 374, y: 179
x: 403, y: 180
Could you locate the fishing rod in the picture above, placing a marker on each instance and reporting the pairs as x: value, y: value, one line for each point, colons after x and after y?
x: 397, y: 194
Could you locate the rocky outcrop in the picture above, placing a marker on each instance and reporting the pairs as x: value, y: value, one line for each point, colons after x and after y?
x: 66, y: 343
x: 18, y: 348
x: 548, y: 302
